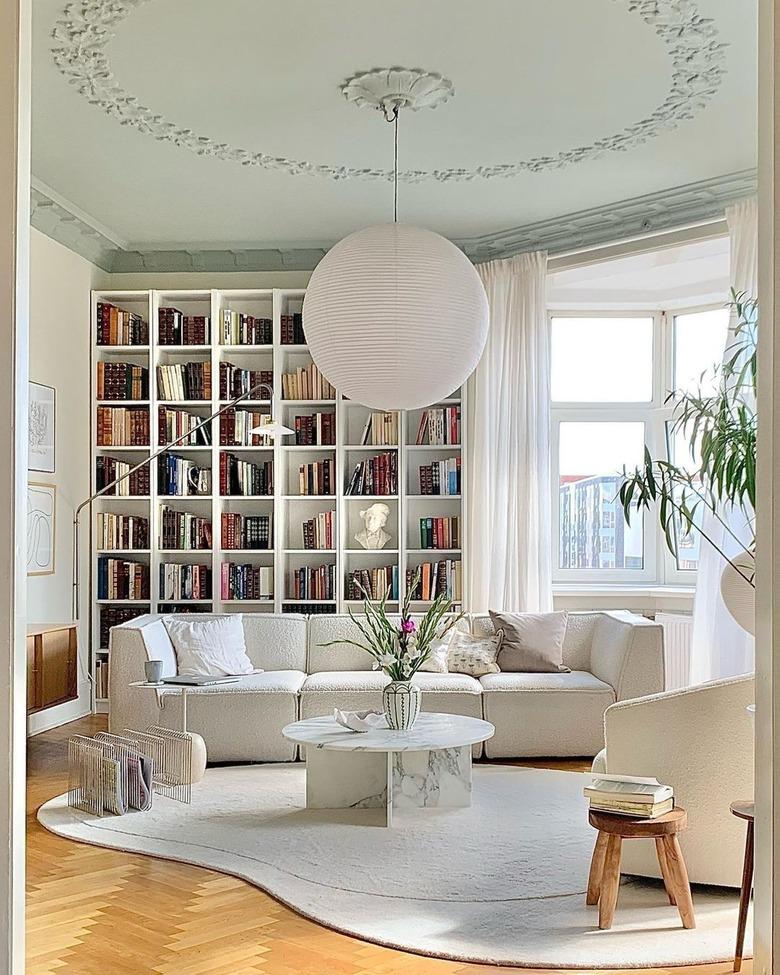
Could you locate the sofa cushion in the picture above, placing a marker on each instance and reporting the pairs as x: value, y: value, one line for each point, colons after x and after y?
x: 269, y: 682
x: 532, y: 642
x: 342, y: 656
x: 544, y: 715
x: 209, y: 648
x: 276, y: 642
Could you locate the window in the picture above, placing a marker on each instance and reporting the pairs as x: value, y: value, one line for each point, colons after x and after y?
x: 610, y: 376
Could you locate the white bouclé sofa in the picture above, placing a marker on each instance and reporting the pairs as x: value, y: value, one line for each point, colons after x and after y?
x: 612, y: 656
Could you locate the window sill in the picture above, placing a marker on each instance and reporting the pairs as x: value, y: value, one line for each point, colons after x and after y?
x: 648, y: 598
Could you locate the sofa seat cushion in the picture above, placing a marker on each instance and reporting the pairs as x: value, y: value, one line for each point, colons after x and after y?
x: 268, y: 682
x: 544, y: 715
x: 356, y: 690
x: 575, y: 680
x: 242, y: 721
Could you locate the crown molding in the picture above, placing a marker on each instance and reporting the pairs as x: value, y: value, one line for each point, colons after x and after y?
x: 682, y: 206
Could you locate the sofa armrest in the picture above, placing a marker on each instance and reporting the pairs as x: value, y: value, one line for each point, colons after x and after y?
x: 627, y: 652
x: 131, y: 644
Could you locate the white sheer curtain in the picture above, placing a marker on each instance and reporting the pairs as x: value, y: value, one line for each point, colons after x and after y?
x: 508, y: 498
x: 720, y: 647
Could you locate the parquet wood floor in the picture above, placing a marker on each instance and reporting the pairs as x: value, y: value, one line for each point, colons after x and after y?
x: 100, y: 912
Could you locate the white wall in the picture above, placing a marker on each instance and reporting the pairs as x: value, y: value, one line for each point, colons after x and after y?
x: 60, y: 285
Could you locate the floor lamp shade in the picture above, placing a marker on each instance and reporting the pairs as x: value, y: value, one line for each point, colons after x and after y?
x: 396, y: 317
x: 738, y: 595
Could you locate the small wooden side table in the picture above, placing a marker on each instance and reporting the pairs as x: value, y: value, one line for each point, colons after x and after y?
x: 746, y: 811
x: 604, y: 878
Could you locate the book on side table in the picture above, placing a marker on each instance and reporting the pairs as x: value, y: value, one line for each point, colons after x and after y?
x: 625, y: 795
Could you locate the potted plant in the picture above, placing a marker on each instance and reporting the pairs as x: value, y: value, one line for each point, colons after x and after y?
x: 721, y: 473
x: 401, y: 647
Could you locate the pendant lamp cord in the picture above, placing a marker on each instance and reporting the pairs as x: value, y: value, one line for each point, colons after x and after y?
x: 393, y: 117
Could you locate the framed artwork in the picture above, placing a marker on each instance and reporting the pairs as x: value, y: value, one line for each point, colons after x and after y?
x: 41, y: 527
x: 42, y: 416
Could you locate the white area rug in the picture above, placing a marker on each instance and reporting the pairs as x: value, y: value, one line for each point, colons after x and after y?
x: 501, y: 882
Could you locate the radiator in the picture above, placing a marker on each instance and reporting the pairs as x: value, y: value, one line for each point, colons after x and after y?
x: 678, y: 631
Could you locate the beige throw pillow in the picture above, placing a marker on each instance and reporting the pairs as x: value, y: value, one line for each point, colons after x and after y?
x: 473, y: 655
x: 533, y: 642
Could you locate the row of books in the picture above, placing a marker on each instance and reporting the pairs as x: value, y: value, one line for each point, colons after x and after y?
x: 375, y: 475
x: 246, y: 531
x: 182, y: 582
x: 377, y: 582
x: 240, y: 329
x: 184, y: 380
x: 246, y: 581
x: 318, y: 428
x: 318, y: 531
x: 318, y: 477
x: 439, y: 426
x: 183, y: 530
x: 121, y: 579
x: 436, y: 579
x: 312, y: 582
x: 380, y: 429
x: 101, y: 677
x: 176, y: 328
x: 440, y: 532
x: 120, y: 426
x: 108, y: 469
x: 239, y: 478
x: 122, y: 380
x: 115, y: 326
x: 235, y: 381
x: 625, y: 795
x: 179, y: 477
x: 172, y: 424
x: 235, y: 428
x: 119, y: 531
x: 292, y: 329
x: 111, y: 616
x: 440, y: 477
x: 306, y: 383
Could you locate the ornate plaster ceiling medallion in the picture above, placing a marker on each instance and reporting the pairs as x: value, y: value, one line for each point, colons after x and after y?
x: 697, y: 61
x: 388, y: 88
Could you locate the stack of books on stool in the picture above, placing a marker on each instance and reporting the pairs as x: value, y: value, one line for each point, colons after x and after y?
x: 625, y: 795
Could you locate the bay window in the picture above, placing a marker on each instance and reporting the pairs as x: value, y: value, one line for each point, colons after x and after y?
x: 611, y: 373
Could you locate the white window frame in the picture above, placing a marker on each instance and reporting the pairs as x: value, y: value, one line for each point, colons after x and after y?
x: 660, y: 566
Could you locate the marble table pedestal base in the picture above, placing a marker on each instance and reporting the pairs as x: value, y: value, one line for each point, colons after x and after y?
x: 388, y: 780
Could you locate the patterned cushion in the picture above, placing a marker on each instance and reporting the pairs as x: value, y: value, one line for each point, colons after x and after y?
x: 474, y: 655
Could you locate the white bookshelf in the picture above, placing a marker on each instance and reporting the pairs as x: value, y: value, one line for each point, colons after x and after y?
x: 287, y: 508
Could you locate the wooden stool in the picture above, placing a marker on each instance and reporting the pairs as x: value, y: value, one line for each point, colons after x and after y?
x: 604, y: 878
x: 746, y: 811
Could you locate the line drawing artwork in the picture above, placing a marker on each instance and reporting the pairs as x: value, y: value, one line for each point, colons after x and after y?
x: 41, y: 507
x: 41, y: 419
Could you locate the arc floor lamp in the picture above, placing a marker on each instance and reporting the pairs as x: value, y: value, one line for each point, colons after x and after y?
x: 273, y: 429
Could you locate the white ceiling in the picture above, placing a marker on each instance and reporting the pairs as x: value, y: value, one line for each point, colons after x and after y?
x: 532, y: 78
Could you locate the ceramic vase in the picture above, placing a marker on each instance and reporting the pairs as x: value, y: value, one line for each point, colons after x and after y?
x: 401, y: 700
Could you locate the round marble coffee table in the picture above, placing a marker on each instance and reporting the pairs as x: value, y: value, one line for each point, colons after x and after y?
x: 383, y: 769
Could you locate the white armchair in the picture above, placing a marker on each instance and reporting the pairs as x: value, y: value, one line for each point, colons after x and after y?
x: 700, y: 741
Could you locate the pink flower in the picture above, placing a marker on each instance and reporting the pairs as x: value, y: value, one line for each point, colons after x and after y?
x: 408, y: 626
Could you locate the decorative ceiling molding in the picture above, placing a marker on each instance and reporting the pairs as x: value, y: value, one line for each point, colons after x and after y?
x: 668, y: 209
x: 697, y: 68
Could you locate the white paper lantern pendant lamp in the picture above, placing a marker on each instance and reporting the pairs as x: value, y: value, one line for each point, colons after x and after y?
x: 396, y: 316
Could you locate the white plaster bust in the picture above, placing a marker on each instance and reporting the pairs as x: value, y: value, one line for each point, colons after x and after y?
x: 374, y: 536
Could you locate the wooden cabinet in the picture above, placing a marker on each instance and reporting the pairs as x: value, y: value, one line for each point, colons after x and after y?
x: 52, y: 665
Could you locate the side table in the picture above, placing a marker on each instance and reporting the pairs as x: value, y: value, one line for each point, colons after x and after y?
x: 199, y: 756
x: 746, y: 811
x: 604, y: 878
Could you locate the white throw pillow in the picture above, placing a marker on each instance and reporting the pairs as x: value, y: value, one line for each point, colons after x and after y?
x: 474, y: 655
x: 436, y: 661
x: 209, y: 648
